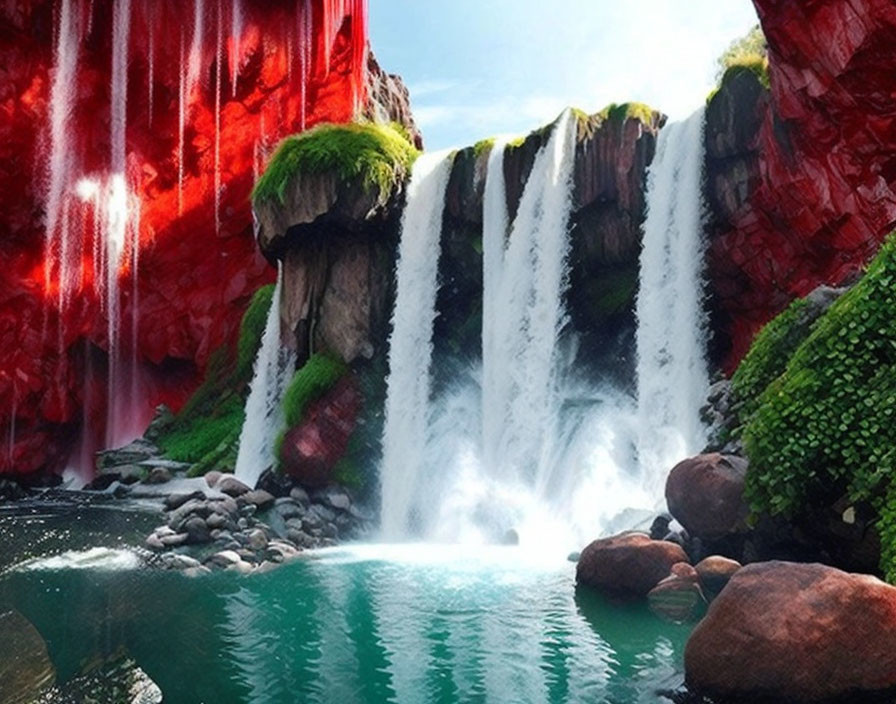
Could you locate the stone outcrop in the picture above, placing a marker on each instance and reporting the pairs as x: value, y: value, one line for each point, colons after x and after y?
x: 799, y: 632
x: 802, y: 179
x: 678, y: 597
x: 627, y: 565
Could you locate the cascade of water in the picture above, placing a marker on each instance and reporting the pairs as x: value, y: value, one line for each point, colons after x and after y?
x: 150, y: 65
x: 219, y: 58
x: 494, y: 235
x: 264, y: 412
x: 61, y: 161
x: 672, y: 369
x: 527, y: 316
x: 410, y: 347
x: 236, y: 33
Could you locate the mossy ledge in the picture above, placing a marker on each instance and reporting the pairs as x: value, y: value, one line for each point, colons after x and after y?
x: 376, y: 155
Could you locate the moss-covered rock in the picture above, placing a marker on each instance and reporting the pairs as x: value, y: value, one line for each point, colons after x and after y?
x: 825, y: 428
x: 342, y: 175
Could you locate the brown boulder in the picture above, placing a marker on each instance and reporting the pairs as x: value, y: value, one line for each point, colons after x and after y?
x: 706, y: 494
x: 678, y: 597
x: 630, y: 564
x: 802, y: 632
x: 715, y: 572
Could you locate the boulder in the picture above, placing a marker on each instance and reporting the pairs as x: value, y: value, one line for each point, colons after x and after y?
x: 630, y: 564
x: 678, y: 597
x: 715, y: 572
x: 231, y: 486
x: 706, y: 494
x: 801, y: 632
x: 26, y: 670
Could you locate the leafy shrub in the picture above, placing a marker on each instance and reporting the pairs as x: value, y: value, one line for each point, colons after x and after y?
x: 769, y: 353
x: 376, y: 155
x: 746, y: 50
x: 827, y: 424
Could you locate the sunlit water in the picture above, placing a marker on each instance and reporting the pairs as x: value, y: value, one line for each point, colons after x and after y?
x: 371, y: 623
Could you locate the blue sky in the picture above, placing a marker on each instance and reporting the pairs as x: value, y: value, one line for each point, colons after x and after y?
x: 476, y: 68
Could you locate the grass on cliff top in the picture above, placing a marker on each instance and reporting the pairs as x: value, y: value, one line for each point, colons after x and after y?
x: 623, y: 111
x: 378, y: 155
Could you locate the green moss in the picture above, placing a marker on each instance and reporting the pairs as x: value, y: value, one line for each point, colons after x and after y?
x: 482, y: 146
x: 317, y: 376
x: 755, y: 64
x: 206, y: 431
x: 623, y: 111
x: 768, y: 354
x: 827, y: 425
x: 376, y: 155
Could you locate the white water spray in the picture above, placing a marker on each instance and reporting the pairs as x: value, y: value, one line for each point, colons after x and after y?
x: 236, y: 34
x: 274, y: 366
x: 672, y: 371
x: 410, y: 347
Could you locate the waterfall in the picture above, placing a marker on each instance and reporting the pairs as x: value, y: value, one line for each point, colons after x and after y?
x: 236, y: 33
x: 672, y: 371
x: 273, y: 370
x: 61, y: 161
x: 522, y: 323
x: 410, y: 345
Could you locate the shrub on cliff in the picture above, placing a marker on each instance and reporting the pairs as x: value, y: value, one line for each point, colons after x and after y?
x: 827, y: 425
x: 377, y: 155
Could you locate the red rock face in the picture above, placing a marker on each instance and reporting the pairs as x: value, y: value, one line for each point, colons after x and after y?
x: 210, y: 88
x: 827, y: 160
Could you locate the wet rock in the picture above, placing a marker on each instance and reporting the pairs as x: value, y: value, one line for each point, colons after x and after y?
x: 197, y: 530
x: 630, y: 564
x: 117, y: 680
x: 258, y: 497
x: 133, y: 453
x: 299, y: 495
x: 289, y: 509
x: 706, y: 495
x: 175, y: 501
x: 154, y: 542
x: 659, y: 529
x: 715, y: 572
x: 178, y: 561
x: 173, y: 541
x: 804, y: 632
x: 231, y: 486
x: 257, y: 539
x: 224, y: 558
x: 218, y: 521
x: 678, y: 597
x: 158, y: 475
x: 212, y: 477
x: 25, y: 667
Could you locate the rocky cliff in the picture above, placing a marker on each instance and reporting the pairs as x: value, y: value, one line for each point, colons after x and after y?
x: 802, y: 178
x: 209, y: 92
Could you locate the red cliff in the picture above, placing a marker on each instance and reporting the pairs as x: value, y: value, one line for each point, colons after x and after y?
x: 817, y: 183
x: 181, y: 101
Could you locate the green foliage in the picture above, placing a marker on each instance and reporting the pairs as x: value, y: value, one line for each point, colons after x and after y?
x: 748, y: 53
x: 317, y: 376
x: 206, y: 431
x: 768, y: 355
x: 742, y: 51
x: 377, y: 155
x: 827, y: 424
x: 252, y: 328
x: 624, y: 111
x: 202, y: 435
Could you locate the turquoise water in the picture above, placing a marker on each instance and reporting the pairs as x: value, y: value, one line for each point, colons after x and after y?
x: 356, y: 624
